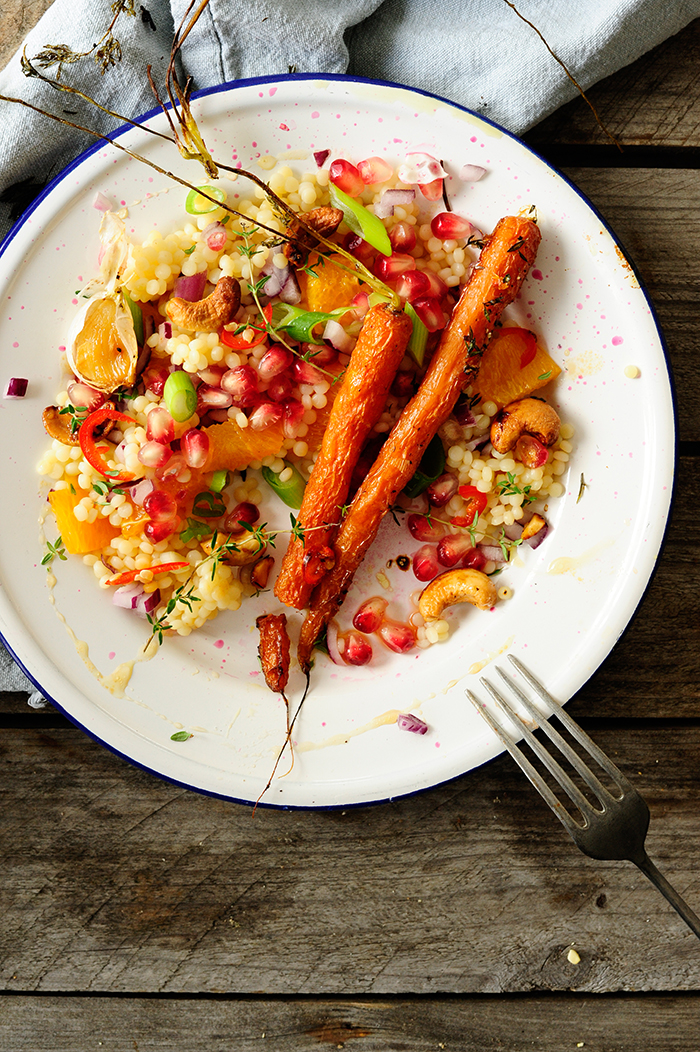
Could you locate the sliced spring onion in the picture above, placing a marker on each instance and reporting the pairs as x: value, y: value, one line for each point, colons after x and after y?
x: 419, y: 336
x: 300, y: 324
x: 180, y: 396
x: 361, y: 221
x: 431, y: 467
x: 197, y: 205
x: 292, y: 491
x: 219, y: 480
x: 136, y: 316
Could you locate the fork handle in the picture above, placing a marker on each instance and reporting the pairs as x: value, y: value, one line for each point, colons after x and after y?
x: 680, y: 905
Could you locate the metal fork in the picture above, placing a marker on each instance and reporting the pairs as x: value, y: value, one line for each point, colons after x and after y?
x: 615, y: 830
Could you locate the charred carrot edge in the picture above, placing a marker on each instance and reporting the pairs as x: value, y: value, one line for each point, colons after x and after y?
x: 274, y: 651
x: 375, y: 358
x: 494, y: 283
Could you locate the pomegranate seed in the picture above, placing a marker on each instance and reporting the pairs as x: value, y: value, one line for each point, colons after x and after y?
x: 403, y: 384
x: 346, y: 177
x: 212, y: 375
x: 216, y: 240
x: 462, y: 412
x: 266, y: 414
x: 292, y: 419
x: 425, y: 563
x: 430, y: 313
x: 243, y: 512
x: 306, y: 373
x: 432, y: 191
x: 242, y: 384
x: 280, y: 389
x: 160, y: 426
x: 159, y: 531
x: 358, y: 650
x: 436, y: 286
x: 274, y: 362
x: 212, y: 398
x: 412, y: 285
x: 323, y: 354
x: 83, y: 395
x: 195, y: 447
x: 360, y: 304
x: 154, y: 380
x: 475, y: 559
x: 403, y: 237
x: 442, y: 490
x: 154, y: 454
x: 448, y: 225
x: 389, y: 268
x: 160, y: 506
x: 316, y: 564
x: 370, y: 615
x: 374, y: 170
x: 397, y: 637
x: 176, y: 468
x: 423, y: 529
x: 360, y: 248
x: 453, y: 548
x: 531, y: 452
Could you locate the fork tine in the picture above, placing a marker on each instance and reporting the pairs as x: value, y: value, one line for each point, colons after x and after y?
x: 524, y: 764
x: 572, y: 727
x: 553, y: 734
x: 554, y: 768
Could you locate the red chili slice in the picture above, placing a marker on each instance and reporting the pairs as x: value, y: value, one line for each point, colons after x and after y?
x: 88, y: 443
x: 238, y: 343
x: 476, y: 502
x: 127, y: 576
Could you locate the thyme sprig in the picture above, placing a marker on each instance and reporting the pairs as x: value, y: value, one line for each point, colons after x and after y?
x: 54, y: 550
x: 107, y: 50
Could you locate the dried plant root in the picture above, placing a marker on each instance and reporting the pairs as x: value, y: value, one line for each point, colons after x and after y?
x: 494, y: 283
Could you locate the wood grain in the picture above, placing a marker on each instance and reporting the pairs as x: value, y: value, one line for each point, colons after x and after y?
x: 114, y: 881
x: 539, y: 1024
x: 653, y: 101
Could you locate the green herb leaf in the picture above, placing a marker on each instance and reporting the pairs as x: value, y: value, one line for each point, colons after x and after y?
x: 180, y: 736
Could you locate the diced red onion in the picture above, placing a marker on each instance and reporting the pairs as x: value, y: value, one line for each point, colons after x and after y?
x: 406, y: 721
x: 147, y: 603
x: 463, y: 414
x: 190, y: 287
x: 16, y: 387
x: 321, y: 156
x: 493, y: 552
x: 128, y: 595
x: 536, y: 540
x: 334, y: 643
x: 421, y: 168
x: 290, y: 291
x: 390, y: 198
x: 471, y: 173
x: 336, y: 335
x: 139, y: 492
x: 101, y: 202
x: 165, y: 330
x: 513, y: 531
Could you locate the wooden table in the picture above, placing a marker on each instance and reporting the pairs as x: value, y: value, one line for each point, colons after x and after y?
x: 137, y: 915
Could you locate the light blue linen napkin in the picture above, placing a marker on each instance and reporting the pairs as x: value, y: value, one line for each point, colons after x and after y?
x: 477, y: 53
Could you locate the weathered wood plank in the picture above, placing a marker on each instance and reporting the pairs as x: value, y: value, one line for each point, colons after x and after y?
x: 75, y: 1024
x: 17, y: 17
x: 652, y: 102
x: 116, y: 882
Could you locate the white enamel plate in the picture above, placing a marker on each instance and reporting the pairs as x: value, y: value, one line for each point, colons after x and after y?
x: 572, y: 597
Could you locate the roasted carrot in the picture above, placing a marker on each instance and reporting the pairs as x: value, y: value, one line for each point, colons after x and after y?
x: 274, y: 651
x: 494, y: 283
x: 358, y: 405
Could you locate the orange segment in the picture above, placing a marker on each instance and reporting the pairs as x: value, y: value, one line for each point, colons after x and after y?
x: 232, y: 447
x: 513, y: 366
x: 79, y: 537
x: 328, y: 287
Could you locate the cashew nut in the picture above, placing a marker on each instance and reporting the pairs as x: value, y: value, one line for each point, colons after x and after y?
x: 60, y: 426
x: 209, y: 314
x: 529, y: 416
x: 240, y: 552
x: 324, y: 220
x: 456, y: 586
